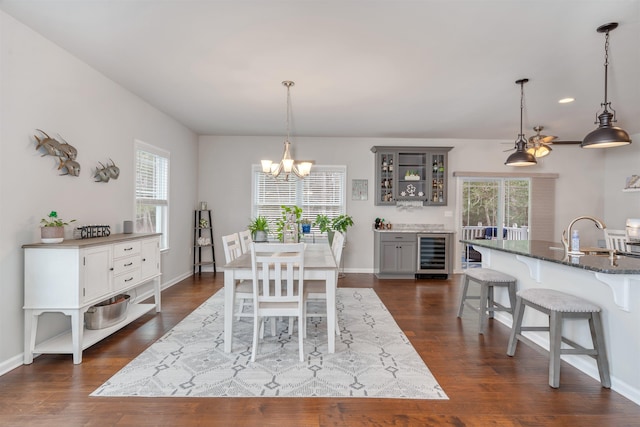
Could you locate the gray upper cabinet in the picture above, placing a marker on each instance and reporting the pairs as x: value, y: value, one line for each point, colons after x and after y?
x: 411, y: 174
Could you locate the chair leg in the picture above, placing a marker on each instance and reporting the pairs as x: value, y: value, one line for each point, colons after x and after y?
x: 490, y: 302
x: 301, y: 333
x: 483, y: 307
x: 511, y: 288
x: 291, y: 319
x: 463, y: 296
x: 516, y: 328
x: 257, y: 325
x: 597, y: 336
x: 555, y: 342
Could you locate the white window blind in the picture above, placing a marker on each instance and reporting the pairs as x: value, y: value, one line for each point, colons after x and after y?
x: 152, y: 190
x: 322, y: 192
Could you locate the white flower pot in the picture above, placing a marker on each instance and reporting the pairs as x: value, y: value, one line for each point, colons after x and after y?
x: 51, y: 234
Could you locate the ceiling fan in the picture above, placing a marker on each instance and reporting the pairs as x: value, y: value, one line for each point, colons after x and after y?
x: 547, y: 140
x: 539, y: 145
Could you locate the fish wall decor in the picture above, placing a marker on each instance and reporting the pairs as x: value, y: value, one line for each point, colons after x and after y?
x: 65, y: 152
x: 105, y: 173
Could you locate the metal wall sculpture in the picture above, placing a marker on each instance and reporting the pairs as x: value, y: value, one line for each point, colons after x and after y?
x: 65, y: 152
x: 105, y: 173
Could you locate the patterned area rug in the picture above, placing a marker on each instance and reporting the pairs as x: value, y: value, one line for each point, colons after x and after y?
x: 373, y: 358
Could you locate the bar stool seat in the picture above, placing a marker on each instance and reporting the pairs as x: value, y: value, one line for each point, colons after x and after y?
x: 558, y: 306
x: 488, y: 279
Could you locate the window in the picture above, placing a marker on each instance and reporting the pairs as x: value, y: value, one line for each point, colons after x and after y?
x: 152, y: 191
x: 322, y: 192
x: 495, y: 201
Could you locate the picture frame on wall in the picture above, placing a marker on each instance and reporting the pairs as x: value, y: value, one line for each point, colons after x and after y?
x: 359, y: 189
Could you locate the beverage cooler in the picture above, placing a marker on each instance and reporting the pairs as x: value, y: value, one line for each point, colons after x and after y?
x: 434, y: 255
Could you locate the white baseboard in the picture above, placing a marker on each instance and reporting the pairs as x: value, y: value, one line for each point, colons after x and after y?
x: 11, y: 364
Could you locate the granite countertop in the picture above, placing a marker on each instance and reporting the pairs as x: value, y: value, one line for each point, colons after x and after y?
x: 415, y: 228
x: 554, y: 252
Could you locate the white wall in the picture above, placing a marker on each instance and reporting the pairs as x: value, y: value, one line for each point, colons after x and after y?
x: 225, y: 166
x: 42, y: 86
x: 621, y: 163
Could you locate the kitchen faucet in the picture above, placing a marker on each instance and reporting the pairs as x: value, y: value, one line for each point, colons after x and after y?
x: 566, y: 234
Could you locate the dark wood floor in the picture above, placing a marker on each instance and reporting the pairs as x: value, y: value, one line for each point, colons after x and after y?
x: 484, y: 385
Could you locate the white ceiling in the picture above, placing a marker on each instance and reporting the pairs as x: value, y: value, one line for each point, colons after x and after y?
x: 426, y: 69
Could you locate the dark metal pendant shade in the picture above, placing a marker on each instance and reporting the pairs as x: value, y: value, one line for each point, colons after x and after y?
x: 521, y: 157
x: 606, y: 135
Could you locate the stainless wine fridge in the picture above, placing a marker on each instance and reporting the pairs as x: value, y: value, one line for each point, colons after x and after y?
x: 434, y: 255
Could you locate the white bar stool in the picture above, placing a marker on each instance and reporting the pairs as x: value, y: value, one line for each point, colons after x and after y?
x: 488, y: 279
x: 559, y: 305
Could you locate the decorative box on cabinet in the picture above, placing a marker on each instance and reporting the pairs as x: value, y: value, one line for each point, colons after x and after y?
x: 411, y: 174
x: 71, y: 276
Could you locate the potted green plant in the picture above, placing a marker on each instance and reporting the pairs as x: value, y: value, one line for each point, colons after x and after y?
x: 259, y: 227
x: 52, y: 230
x: 341, y: 223
x: 323, y: 223
x: 288, y: 211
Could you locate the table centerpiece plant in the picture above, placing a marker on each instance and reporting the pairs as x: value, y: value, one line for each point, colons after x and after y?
x: 259, y: 227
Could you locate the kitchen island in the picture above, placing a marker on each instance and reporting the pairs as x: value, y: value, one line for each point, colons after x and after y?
x: 611, y: 282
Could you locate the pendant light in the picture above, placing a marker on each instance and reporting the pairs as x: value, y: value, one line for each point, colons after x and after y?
x: 286, y: 165
x: 521, y: 157
x: 606, y: 135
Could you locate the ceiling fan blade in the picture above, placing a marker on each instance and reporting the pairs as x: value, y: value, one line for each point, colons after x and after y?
x: 542, y: 139
x: 565, y: 142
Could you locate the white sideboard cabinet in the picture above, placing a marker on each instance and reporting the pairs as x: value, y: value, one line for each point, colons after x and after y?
x: 71, y: 276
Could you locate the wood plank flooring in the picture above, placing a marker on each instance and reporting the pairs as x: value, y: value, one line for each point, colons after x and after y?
x: 484, y: 385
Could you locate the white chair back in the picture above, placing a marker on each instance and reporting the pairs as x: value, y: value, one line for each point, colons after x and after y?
x: 616, y: 239
x: 232, y: 247
x: 278, y: 285
x: 245, y: 240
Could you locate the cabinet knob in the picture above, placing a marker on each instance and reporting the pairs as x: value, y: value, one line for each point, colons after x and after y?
x: 111, y: 269
x: 144, y: 259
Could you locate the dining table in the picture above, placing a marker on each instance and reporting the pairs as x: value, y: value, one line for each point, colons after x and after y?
x: 319, y: 264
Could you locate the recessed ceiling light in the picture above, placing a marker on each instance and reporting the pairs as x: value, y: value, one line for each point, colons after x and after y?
x: 566, y: 100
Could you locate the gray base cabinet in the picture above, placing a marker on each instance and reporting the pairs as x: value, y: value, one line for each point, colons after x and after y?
x: 395, y: 255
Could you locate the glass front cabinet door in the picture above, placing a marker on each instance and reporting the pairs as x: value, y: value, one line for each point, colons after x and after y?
x: 411, y: 174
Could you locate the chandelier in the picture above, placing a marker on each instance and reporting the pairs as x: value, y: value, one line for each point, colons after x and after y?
x: 286, y: 165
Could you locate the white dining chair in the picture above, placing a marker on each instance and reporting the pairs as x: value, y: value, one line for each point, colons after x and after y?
x: 316, y: 289
x: 278, y: 287
x: 244, y: 288
x: 616, y: 239
x: 245, y: 240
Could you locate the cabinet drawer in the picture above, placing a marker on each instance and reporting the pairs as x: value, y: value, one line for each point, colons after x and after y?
x: 126, y: 249
x: 125, y: 264
x: 398, y: 237
x: 127, y: 279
